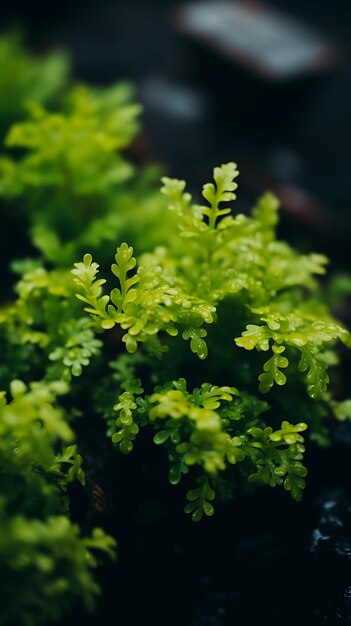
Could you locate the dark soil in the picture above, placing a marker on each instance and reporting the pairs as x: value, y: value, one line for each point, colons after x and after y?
x: 262, y: 558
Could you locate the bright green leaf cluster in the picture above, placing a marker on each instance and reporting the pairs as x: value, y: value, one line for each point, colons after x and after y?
x: 220, y: 269
x: 306, y: 330
x: 48, y: 556
x: 213, y: 428
x: 179, y: 290
x: 45, y: 319
x: 144, y: 303
x: 25, y: 78
x: 42, y: 553
x: 65, y: 172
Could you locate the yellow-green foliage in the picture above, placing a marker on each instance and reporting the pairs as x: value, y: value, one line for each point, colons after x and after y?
x: 180, y: 289
x: 217, y: 270
x: 72, y: 181
x: 45, y: 563
x: 249, y: 307
x: 25, y: 78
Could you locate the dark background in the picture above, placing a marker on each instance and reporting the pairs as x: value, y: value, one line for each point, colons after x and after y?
x: 261, y: 559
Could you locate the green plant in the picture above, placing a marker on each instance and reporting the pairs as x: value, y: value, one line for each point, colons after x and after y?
x: 70, y: 179
x: 67, y: 183
x: 45, y: 563
x: 209, y: 296
x: 226, y: 284
x: 25, y: 78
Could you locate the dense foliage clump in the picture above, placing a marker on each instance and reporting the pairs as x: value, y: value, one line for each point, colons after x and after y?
x: 225, y: 284
x: 216, y: 339
x: 25, y: 78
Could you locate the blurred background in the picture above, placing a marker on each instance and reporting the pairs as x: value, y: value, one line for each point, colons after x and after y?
x: 266, y: 85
